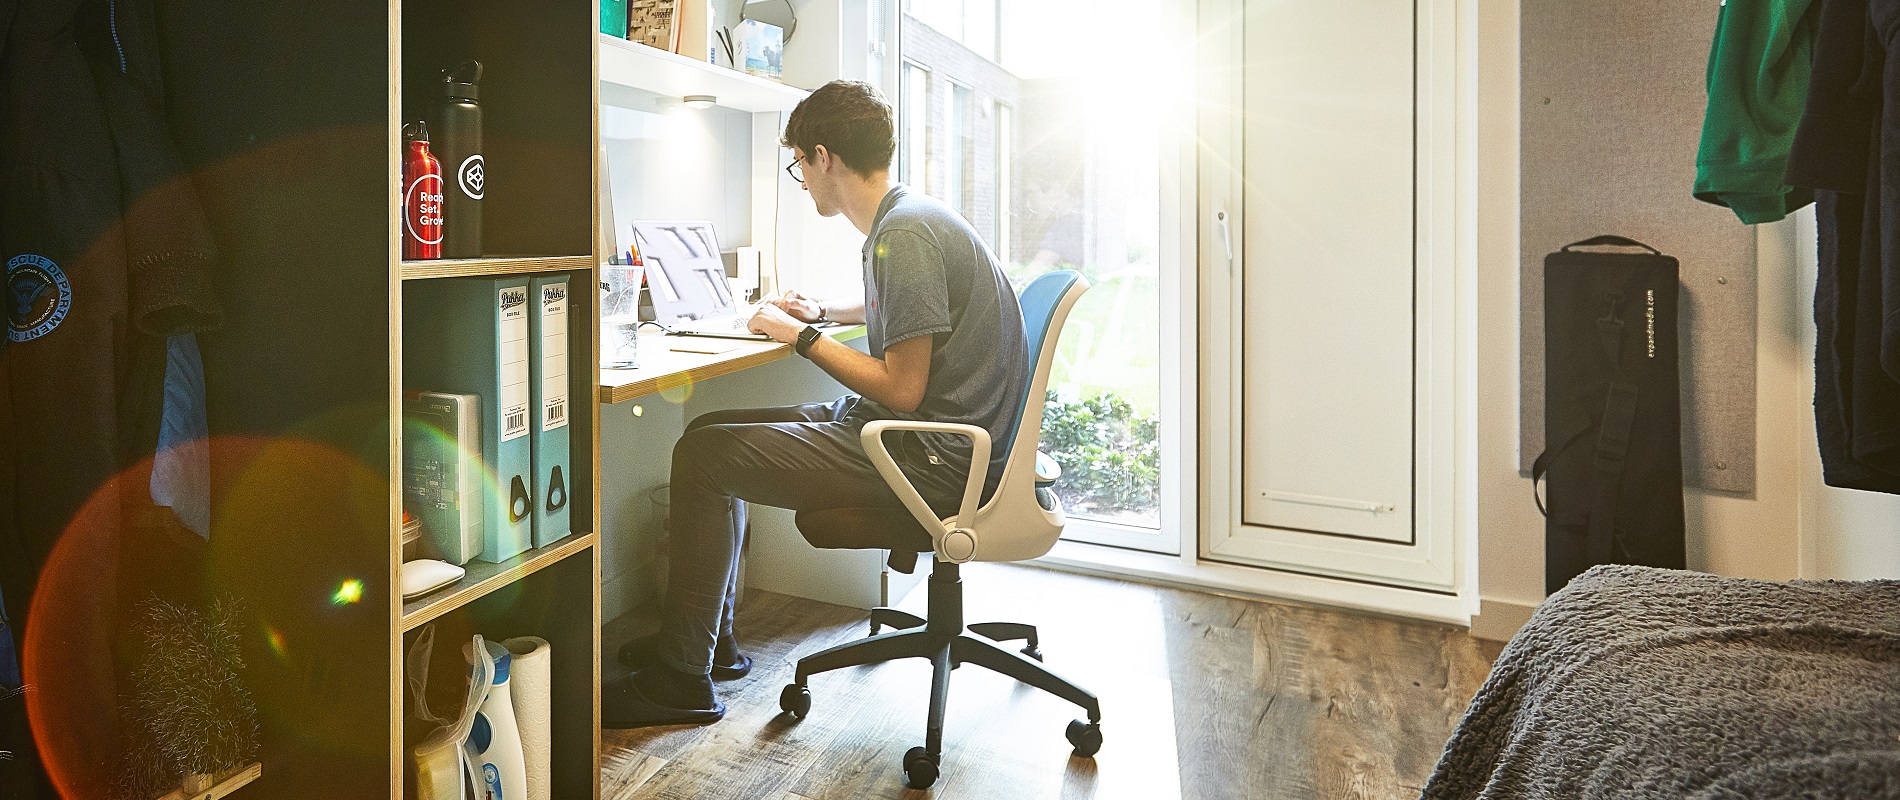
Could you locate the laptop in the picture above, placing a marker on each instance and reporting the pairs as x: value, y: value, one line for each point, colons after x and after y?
x: 687, y: 280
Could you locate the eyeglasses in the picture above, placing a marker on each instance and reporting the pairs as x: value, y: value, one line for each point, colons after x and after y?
x: 795, y: 169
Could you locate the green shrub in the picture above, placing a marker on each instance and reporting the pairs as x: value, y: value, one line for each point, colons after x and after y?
x: 1109, y: 452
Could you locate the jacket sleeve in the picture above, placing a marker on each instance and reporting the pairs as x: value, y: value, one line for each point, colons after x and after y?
x: 169, y: 246
x: 1833, y: 142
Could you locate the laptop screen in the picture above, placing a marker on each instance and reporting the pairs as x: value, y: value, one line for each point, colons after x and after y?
x: 686, y: 276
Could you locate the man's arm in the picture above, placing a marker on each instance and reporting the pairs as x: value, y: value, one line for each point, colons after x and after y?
x: 897, y: 380
x: 811, y: 309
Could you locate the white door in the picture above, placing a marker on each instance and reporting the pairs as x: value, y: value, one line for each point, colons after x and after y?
x: 1323, y: 441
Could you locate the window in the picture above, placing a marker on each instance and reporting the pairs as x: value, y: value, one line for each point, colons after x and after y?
x: 913, y: 166
x: 957, y: 143
x: 975, y: 24
x: 1035, y: 138
x: 1005, y: 151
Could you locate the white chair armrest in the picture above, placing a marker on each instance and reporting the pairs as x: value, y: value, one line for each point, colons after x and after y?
x: 1047, y: 470
x: 873, y: 439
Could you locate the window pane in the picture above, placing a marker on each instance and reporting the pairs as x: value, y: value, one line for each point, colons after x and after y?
x: 913, y: 167
x: 1043, y: 143
x: 957, y: 149
x: 1005, y: 151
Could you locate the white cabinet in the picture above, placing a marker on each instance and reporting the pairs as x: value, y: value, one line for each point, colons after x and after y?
x: 1329, y: 338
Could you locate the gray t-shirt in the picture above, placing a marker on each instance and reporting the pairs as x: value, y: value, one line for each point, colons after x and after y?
x: 927, y: 272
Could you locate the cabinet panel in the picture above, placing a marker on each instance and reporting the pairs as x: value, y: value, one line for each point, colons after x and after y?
x: 1327, y: 318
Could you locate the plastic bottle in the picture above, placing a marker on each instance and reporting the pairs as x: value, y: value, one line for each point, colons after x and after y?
x: 494, y: 743
x: 459, y: 127
x: 421, y: 197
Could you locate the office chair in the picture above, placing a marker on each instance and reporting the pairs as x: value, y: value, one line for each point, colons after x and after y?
x: 1021, y: 521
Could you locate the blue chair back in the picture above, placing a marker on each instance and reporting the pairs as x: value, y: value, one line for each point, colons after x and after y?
x: 1039, y: 302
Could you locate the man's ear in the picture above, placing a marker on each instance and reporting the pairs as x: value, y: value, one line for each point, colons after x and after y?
x: 820, y: 157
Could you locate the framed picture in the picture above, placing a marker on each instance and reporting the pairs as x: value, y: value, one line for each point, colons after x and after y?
x: 654, y: 23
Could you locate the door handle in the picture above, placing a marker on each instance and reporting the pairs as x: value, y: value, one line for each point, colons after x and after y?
x: 1226, y: 232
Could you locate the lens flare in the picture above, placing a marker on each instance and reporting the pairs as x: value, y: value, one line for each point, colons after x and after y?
x: 676, y: 389
x: 349, y: 593
x: 274, y: 638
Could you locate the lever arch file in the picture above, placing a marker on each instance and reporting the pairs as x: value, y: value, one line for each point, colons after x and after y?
x: 548, y: 334
x: 470, y: 336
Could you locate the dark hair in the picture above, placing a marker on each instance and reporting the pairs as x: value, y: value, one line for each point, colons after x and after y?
x: 851, y: 119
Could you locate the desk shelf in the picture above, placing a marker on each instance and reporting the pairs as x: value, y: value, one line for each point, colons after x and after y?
x: 630, y: 65
x: 499, y: 265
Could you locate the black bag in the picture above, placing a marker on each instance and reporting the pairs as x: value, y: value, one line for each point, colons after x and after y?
x: 1612, y: 460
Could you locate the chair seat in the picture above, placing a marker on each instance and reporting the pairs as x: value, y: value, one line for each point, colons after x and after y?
x: 892, y: 529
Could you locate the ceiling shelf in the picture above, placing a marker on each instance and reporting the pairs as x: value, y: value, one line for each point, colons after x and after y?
x: 628, y: 65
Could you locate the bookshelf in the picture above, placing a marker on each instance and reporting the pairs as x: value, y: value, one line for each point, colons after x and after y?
x: 290, y: 126
x: 501, y: 265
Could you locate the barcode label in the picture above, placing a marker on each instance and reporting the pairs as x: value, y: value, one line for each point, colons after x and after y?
x: 514, y: 422
x: 557, y: 411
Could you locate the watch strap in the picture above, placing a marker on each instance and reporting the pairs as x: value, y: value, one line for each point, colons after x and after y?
x: 806, y: 338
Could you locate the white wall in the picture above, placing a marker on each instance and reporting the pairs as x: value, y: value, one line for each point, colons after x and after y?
x: 1791, y: 526
x: 682, y: 164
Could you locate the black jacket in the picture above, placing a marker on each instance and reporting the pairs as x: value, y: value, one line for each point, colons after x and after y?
x: 106, y: 252
x: 1857, y: 291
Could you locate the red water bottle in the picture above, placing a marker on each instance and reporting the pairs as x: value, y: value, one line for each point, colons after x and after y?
x: 421, y: 198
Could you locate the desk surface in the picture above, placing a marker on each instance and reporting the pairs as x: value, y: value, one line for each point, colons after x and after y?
x: 663, y: 368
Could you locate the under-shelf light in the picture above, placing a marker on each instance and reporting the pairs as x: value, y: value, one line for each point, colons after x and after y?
x: 699, y: 100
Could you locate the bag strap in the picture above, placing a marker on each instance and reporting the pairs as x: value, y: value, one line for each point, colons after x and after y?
x: 1609, y: 240
x: 1619, y: 413
x: 1541, y: 466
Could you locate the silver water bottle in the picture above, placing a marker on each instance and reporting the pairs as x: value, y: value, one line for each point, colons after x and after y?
x: 465, y: 172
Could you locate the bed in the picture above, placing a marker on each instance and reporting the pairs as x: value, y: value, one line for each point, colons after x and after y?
x: 1636, y: 682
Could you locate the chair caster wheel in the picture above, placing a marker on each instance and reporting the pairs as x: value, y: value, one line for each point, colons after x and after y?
x: 920, y: 768
x: 795, y: 700
x: 1032, y: 651
x: 1086, y: 736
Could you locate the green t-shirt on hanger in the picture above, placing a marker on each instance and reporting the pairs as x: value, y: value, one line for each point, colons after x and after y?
x: 1758, y: 86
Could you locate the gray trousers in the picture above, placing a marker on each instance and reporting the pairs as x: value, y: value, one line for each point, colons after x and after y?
x: 804, y: 457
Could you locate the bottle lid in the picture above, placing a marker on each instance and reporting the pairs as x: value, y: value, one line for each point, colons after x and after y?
x: 417, y: 131
x: 463, y: 81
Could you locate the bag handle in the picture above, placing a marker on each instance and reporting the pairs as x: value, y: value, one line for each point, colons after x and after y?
x: 1610, y: 241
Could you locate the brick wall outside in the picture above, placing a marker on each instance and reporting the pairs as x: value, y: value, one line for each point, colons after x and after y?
x: 948, y: 60
x: 1063, y: 192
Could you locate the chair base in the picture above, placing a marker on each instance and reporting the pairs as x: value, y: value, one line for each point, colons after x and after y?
x: 941, y: 639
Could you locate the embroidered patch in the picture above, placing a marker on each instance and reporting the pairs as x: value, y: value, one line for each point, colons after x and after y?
x: 38, y: 297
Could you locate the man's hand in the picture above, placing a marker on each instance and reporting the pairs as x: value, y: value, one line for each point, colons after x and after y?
x: 773, y: 321
x: 799, y: 306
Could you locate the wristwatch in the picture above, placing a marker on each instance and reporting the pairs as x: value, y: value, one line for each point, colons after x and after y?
x: 805, y: 339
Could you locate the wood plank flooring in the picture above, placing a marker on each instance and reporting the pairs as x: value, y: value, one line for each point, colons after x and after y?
x: 1203, y: 697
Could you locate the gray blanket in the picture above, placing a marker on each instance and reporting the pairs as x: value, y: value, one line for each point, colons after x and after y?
x: 1646, y: 683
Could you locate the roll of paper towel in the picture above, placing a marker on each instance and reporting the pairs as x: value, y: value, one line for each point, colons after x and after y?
x: 534, y: 710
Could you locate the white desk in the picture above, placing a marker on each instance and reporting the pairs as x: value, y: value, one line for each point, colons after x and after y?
x: 663, y: 368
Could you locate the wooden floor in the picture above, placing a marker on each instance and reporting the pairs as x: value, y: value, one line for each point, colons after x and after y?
x: 1202, y: 697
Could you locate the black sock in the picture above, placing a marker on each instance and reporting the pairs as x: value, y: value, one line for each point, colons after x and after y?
x: 674, y: 689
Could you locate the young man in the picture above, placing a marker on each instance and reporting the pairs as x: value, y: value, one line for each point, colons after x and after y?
x: 946, y: 344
